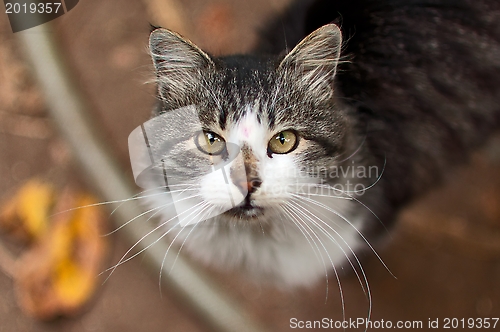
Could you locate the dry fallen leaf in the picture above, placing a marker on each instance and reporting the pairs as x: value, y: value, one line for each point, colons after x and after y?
x: 57, y: 275
x: 26, y: 214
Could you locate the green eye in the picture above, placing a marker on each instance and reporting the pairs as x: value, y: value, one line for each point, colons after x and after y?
x: 210, y: 143
x: 283, y: 142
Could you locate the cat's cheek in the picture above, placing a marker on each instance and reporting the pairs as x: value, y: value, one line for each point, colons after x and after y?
x: 278, y: 179
x: 216, y: 191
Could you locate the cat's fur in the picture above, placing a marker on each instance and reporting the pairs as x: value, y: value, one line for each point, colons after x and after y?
x: 409, y: 89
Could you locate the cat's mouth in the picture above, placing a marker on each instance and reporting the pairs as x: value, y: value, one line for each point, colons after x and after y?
x: 246, y: 209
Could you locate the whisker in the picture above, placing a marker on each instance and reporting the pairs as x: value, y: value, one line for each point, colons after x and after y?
x: 367, y: 291
x: 203, y: 208
x: 341, y: 293
x: 301, y: 227
x: 352, y: 198
x: 355, y: 228
x: 281, y: 219
x: 292, y: 218
x: 204, y: 205
x: 136, y: 217
x: 340, y: 192
x: 137, y: 197
x: 122, y: 201
x: 347, y: 192
x: 146, y: 212
x: 306, y: 210
x: 123, y: 260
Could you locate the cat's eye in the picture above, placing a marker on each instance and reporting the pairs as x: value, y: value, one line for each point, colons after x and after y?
x: 210, y: 143
x: 283, y: 142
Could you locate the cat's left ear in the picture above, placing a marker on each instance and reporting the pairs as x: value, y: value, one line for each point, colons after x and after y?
x: 313, y: 62
x: 179, y: 64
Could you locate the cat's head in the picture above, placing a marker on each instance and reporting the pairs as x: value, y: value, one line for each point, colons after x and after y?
x: 248, y: 132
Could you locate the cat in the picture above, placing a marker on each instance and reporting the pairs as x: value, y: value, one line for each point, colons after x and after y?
x: 290, y: 163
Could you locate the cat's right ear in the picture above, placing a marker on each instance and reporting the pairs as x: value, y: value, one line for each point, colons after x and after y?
x: 179, y: 64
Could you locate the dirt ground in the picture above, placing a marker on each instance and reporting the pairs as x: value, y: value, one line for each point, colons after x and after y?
x: 444, y: 252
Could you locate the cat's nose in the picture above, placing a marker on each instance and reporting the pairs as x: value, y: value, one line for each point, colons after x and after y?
x: 248, y: 185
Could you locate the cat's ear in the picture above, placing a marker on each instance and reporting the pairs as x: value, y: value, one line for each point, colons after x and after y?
x: 313, y: 62
x: 179, y: 64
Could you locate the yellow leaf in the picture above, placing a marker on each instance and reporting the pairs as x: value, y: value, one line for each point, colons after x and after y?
x: 26, y: 214
x: 58, y: 276
x: 35, y: 201
x: 72, y: 284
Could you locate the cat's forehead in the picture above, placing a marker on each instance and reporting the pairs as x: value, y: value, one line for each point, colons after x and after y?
x: 241, y: 85
x: 247, y: 66
x: 250, y: 128
x: 248, y: 87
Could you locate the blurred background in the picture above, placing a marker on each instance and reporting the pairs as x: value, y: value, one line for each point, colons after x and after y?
x: 444, y: 251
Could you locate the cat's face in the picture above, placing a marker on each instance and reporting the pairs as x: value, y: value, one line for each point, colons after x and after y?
x: 248, y: 147
x: 270, y: 125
